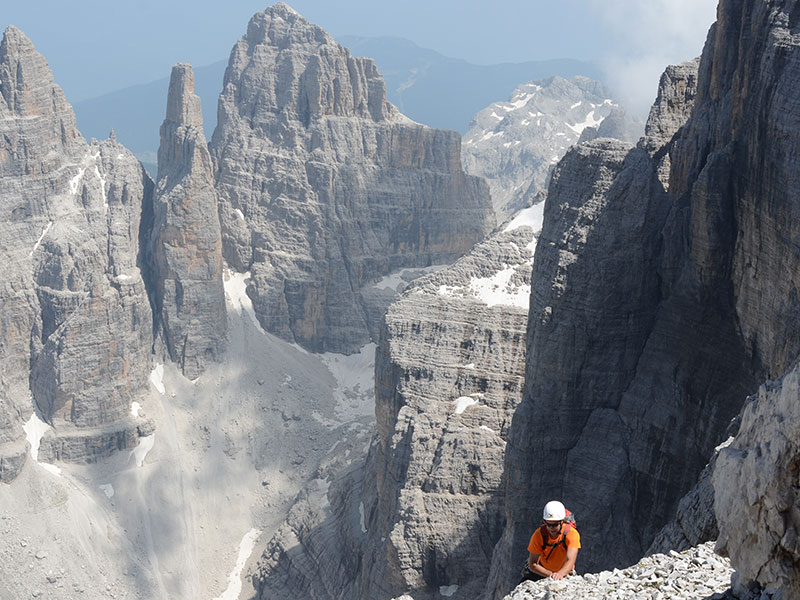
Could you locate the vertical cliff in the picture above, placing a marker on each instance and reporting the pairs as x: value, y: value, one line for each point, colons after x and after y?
x: 656, y: 309
x: 186, y: 239
x: 424, y: 507
x: 448, y: 376
x: 76, y: 320
x: 325, y: 187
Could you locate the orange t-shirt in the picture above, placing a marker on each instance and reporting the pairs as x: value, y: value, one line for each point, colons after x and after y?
x: 559, y: 554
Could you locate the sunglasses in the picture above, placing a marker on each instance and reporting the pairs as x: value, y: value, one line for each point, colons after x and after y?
x: 553, y: 525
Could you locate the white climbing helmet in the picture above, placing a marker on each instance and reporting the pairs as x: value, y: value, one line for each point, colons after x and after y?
x: 554, y: 511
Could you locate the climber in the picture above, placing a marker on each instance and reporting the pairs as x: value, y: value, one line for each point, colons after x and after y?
x: 554, y: 546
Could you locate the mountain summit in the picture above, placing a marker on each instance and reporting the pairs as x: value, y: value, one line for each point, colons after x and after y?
x: 325, y: 187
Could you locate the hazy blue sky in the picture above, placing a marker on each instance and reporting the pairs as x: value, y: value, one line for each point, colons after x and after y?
x: 96, y: 46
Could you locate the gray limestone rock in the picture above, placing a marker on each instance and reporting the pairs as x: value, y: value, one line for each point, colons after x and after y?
x: 694, y: 573
x: 514, y: 145
x: 677, y: 90
x: 617, y: 125
x: 425, y: 507
x: 695, y: 522
x: 655, y: 313
x: 673, y: 106
x: 448, y: 375
x: 757, y: 497
x: 76, y: 320
x: 325, y: 187
x: 186, y: 238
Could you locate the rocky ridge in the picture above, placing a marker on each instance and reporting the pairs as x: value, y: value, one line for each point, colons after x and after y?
x: 514, y: 145
x: 325, y: 187
x: 186, y: 240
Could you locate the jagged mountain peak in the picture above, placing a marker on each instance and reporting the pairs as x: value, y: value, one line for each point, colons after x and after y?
x: 14, y: 39
x: 183, y: 105
x: 515, y: 143
x: 26, y: 82
x: 314, y: 76
x: 280, y: 24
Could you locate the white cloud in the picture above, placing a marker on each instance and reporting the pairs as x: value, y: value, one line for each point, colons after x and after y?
x: 648, y: 36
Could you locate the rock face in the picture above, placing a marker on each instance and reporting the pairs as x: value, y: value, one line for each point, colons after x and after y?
x: 755, y: 480
x: 76, y: 320
x: 655, y: 312
x: 186, y: 238
x: 325, y: 187
x: 425, y: 507
x: 448, y: 375
x: 514, y: 145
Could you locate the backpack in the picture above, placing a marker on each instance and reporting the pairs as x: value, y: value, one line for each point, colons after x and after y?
x: 569, y: 524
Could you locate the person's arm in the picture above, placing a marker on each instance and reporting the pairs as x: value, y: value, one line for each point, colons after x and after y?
x: 572, y: 556
x: 535, y: 567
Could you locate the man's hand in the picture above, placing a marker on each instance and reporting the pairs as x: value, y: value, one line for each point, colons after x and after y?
x: 557, y: 575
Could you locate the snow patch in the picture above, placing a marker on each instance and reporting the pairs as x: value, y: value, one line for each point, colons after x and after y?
x: 490, y: 134
x: 497, y: 289
x: 107, y: 489
x: 576, y: 105
x: 469, y: 366
x: 724, y: 444
x: 41, y: 237
x: 236, y: 293
x: 73, y: 183
x: 354, y: 374
x: 235, y: 578
x: 448, y: 590
x: 140, y: 452
x: 35, y: 429
x: 239, y: 213
x: 485, y: 428
x: 591, y: 121
x: 532, y: 217
x: 157, y: 379
x: 136, y: 407
x: 463, y: 403
x: 51, y: 469
x: 361, y: 517
x: 520, y: 101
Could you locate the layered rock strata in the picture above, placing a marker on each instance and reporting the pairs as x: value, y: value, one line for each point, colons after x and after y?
x: 186, y: 238
x: 76, y: 320
x: 448, y: 376
x: 325, y: 187
x: 655, y: 313
x: 514, y: 145
x: 425, y: 507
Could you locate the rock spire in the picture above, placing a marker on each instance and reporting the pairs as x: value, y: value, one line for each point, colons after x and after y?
x: 186, y: 239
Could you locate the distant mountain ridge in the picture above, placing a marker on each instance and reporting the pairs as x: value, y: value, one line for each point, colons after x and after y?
x: 428, y: 87
x: 514, y: 144
x: 441, y: 91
